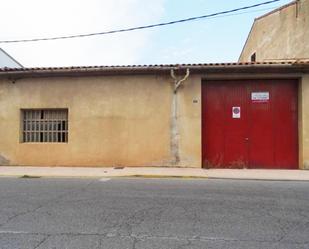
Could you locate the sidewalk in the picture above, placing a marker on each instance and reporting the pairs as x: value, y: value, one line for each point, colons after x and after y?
x: 252, y: 174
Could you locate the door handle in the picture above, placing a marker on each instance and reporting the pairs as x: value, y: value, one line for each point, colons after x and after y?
x: 247, y: 139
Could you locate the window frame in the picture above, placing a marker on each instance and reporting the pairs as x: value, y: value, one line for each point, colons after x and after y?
x: 46, y: 135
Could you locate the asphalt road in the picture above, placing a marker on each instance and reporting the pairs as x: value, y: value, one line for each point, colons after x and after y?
x: 153, y: 213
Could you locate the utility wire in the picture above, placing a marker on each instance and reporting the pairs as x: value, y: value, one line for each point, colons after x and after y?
x: 140, y: 27
x: 244, y: 12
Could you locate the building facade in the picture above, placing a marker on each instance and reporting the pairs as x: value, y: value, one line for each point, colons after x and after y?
x: 281, y: 35
x: 148, y: 116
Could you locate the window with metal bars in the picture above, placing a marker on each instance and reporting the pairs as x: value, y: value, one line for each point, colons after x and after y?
x: 45, y: 126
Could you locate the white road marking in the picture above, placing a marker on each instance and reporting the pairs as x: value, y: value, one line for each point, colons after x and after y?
x: 104, y: 179
x: 12, y: 232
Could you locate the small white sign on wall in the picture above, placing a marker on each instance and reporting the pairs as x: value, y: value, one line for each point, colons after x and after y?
x: 260, y: 97
x: 236, y: 112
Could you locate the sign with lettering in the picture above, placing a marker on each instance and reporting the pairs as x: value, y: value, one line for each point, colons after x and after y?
x: 260, y: 97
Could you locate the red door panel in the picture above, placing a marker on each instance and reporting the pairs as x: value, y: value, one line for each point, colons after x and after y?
x: 213, y: 121
x: 261, y: 126
x: 263, y: 135
x: 235, y: 126
x: 286, y: 123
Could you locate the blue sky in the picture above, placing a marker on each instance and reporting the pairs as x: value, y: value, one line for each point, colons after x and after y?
x: 209, y: 40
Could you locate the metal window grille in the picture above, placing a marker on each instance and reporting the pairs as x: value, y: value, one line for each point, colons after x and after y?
x: 45, y: 126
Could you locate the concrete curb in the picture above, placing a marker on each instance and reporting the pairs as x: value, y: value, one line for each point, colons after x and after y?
x: 151, y: 177
x: 154, y: 172
x: 258, y: 179
x: 80, y: 172
x: 105, y: 176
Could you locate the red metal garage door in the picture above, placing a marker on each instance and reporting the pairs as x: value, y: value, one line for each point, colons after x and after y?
x: 250, y: 123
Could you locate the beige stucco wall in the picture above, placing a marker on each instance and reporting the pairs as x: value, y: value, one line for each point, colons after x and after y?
x: 304, y: 122
x: 113, y: 121
x: 280, y: 35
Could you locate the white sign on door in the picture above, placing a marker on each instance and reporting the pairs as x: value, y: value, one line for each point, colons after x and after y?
x: 236, y: 112
x: 260, y: 97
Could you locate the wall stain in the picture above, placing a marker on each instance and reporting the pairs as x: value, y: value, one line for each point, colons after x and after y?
x: 4, y: 161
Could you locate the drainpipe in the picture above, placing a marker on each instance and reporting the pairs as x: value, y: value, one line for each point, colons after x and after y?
x: 297, y: 6
x: 174, y: 117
